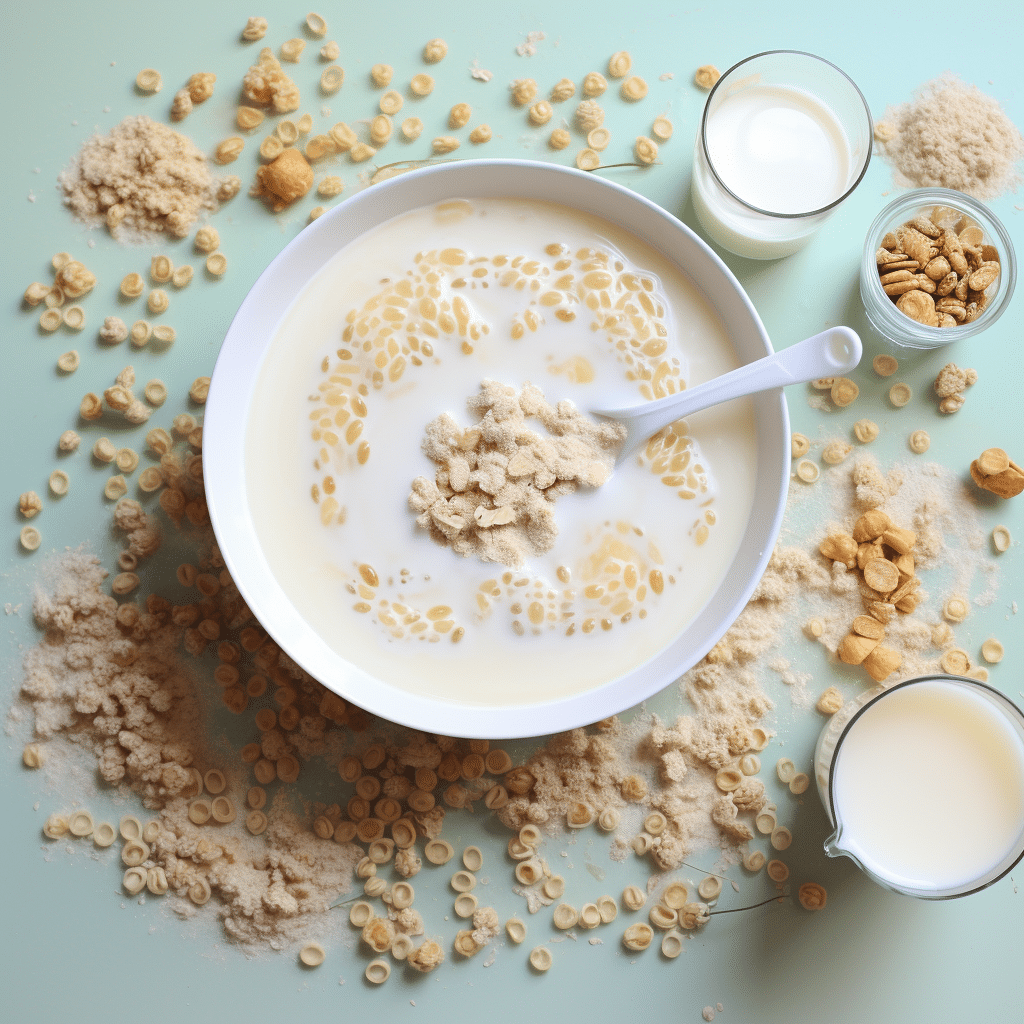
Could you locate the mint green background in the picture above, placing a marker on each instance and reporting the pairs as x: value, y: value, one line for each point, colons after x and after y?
x: 71, y: 942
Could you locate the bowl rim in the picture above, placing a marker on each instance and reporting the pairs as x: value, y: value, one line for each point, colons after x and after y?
x: 238, y: 367
x: 882, y: 311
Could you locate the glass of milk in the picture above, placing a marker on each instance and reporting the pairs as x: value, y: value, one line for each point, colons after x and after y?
x: 924, y: 782
x: 785, y: 138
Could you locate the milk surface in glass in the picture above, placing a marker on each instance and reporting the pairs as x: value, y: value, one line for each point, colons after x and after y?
x: 928, y: 786
x: 404, y: 324
x: 778, y: 149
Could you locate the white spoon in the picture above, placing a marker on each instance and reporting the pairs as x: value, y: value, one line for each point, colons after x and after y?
x: 829, y: 354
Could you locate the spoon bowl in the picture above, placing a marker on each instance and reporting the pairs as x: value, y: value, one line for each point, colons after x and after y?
x: 828, y: 354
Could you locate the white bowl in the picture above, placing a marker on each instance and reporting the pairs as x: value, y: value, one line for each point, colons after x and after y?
x: 251, y: 334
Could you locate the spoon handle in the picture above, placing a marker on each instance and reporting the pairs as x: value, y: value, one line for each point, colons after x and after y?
x: 832, y: 352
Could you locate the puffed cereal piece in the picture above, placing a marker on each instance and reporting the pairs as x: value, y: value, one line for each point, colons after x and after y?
x: 563, y: 90
x: 459, y: 115
x: 523, y: 91
x: 255, y: 28
x: 594, y: 84
x: 412, y: 128
x: 360, y: 152
x: 662, y: 128
x: 380, y: 130
x: 480, y: 134
x: 559, y: 138
x: 266, y: 83
x: 200, y: 86
x: 391, y: 102
x: 36, y: 293
x: 646, y: 149
x: 541, y: 112
x: 114, y: 330
x: 181, y: 106
x: 29, y: 504
x: 619, y: 64
x: 291, y: 50
x: 248, y: 118
x: 633, y: 89
x: 706, y: 75
x: 332, y: 79
x: 75, y: 279
x: 68, y: 362
x: 381, y: 75
x: 589, y: 115
x: 69, y: 441
x: 330, y: 186
x: 421, y: 85
x: 149, y: 80
x: 445, y: 144
x: 287, y: 178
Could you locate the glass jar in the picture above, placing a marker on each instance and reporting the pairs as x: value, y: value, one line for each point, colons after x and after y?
x: 962, y: 213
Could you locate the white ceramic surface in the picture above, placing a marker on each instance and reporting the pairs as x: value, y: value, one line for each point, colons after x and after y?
x: 253, y: 329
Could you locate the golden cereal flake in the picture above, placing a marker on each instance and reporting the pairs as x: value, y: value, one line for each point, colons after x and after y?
x: 480, y: 134
x: 706, y: 75
x: 523, y: 91
x: 271, y: 147
x: 164, y: 333
x: 160, y: 270
x: 149, y: 80
x: 248, y: 118
x: 865, y: 431
x: 541, y: 112
x: 645, y: 149
x: 291, y: 50
x: 216, y: 264
x: 391, y: 102
x: 900, y: 394
x: 844, y: 391
x: 563, y: 90
x: 435, y: 51
x: 811, y: 896
x: 807, y: 471
x: 445, y: 144
x: 330, y: 186
x: 619, y: 64
x: 587, y: 160
x: 200, y: 86
x: 412, y: 128
x: 361, y: 152
x: 633, y: 89
x: 181, y: 106
x: 50, y: 320
x: 835, y: 452
x: 992, y: 651
x: 68, y: 362
x: 598, y: 139
x: 304, y: 124
x: 662, y: 128
x: 919, y: 441
x: 421, y: 85
x: 380, y: 130
x: 540, y: 958
x: 316, y: 24
x: 800, y: 445
x: 331, y: 79
x: 312, y: 954
x: 182, y: 276
x: 559, y: 139
x: 1001, y: 538
x: 884, y: 365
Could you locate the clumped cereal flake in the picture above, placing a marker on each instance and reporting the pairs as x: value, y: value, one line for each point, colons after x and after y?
x: 541, y: 112
x: 563, y: 90
x: 523, y: 91
x: 460, y: 509
x: 559, y: 139
x: 142, y: 178
x: 331, y: 79
x: 996, y: 472
x: 255, y: 28
x: 286, y: 178
x: 266, y: 84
